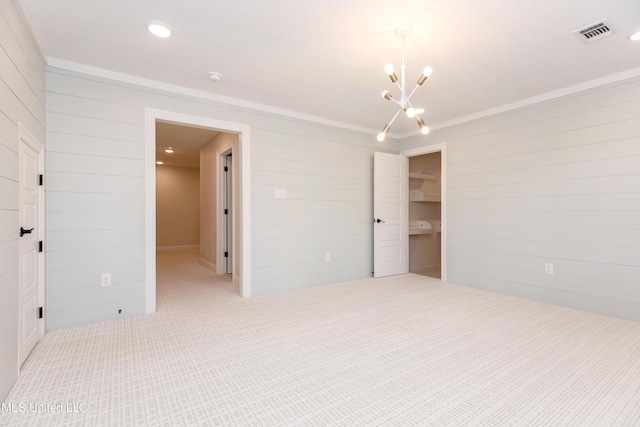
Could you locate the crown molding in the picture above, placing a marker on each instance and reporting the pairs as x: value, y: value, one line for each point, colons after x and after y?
x: 569, y: 90
x: 154, y: 84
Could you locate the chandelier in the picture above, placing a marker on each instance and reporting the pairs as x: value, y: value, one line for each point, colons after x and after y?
x: 405, y: 100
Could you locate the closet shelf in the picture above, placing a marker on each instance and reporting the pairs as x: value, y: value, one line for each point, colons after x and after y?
x: 419, y: 196
x: 429, y: 198
x: 416, y: 231
x: 417, y: 175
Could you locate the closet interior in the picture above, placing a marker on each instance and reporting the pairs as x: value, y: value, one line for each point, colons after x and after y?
x: 425, y: 214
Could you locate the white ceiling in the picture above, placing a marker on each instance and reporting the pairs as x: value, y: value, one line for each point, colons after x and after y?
x: 325, y: 58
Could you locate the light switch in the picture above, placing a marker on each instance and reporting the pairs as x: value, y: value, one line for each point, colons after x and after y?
x: 548, y: 268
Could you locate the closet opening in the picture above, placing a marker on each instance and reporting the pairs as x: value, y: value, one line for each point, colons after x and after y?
x: 427, y: 210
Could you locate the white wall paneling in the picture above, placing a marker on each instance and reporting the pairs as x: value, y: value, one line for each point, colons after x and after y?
x: 22, y: 95
x: 557, y: 182
x: 326, y: 171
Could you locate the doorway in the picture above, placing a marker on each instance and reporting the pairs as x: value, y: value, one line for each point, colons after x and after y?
x: 425, y: 214
x: 427, y: 249
x: 240, y: 205
x: 226, y: 212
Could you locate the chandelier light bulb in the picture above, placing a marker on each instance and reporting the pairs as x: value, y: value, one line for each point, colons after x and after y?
x: 386, y: 95
x: 635, y: 36
x: 388, y: 69
x: 382, y: 135
x: 411, y: 112
x: 425, y: 74
x: 424, y: 129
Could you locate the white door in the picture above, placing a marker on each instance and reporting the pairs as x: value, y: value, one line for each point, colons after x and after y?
x: 30, y: 259
x: 390, y: 228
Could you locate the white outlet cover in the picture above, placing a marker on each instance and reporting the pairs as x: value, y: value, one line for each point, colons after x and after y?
x: 105, y: 280
x: 281, y: 194
x: 327, y: 256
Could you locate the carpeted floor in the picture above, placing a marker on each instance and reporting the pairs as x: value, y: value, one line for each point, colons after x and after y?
x: 397, y: 351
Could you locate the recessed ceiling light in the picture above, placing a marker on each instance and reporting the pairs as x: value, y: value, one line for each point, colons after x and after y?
x: 215, y: 77
x: 168, y: 150
x: 159, y: 29
x: 635, y: 36
x: 159, y: 163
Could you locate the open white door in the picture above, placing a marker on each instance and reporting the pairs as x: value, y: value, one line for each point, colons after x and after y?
x: 30, y: 266
x: 390, y: 228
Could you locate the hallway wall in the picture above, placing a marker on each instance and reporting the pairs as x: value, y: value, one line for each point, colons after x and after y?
x: 177, y: 206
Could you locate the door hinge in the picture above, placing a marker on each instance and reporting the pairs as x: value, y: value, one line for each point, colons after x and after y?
x: 226, y: 211
x: 226, y: 168
x: 40, y: 249
x: 40, y: 314
x: 41, y: 179
x: 226, y: 254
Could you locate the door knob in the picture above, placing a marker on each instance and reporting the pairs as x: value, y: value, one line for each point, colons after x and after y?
x: 379, y: 220
x: 23, y: 231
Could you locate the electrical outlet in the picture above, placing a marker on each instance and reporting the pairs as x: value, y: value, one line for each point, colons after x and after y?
x: 327, y: 256
x: 105, y: 280
x: 548, y: 268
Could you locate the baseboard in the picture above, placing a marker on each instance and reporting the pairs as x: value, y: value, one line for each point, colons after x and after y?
x: 176, y: 248
x: 208, y: 264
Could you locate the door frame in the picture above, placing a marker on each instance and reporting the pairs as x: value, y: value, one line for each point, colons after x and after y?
x: 221, y: 227
x: 427, y: 149
x: 244, y: 187
x: 24, y: 135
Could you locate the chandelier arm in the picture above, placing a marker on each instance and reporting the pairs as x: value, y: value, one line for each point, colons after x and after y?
x: 400, y: 87
x: 394, y: 118
x: 412, y: 92
x: 397, y: 102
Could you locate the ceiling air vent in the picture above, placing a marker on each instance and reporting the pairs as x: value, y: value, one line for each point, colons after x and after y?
x: 595, y: 31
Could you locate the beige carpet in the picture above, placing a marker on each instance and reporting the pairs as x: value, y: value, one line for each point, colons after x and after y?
x: 397, y: 351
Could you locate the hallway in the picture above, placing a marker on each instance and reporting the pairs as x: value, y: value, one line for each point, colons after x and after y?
x: 182, y: 283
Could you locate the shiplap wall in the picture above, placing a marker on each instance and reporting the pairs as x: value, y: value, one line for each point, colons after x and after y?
x: 95, y: 196
x: 557, y: 182
x: 22, y: 100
